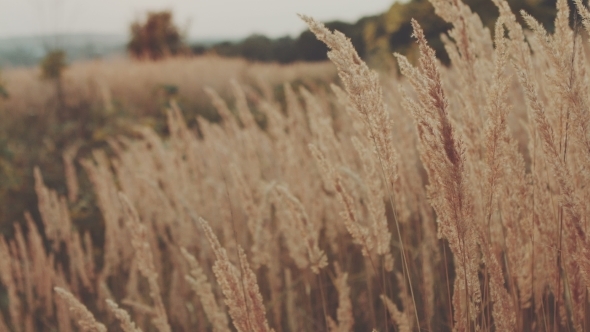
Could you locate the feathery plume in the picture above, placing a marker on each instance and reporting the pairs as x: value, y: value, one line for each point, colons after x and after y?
x: 83, y: 317
x: 344, y: 311
x: 145, y: 262
x: 199, y: 284
x: 317, y: 257
x: 399, y: 318
x: 127, y: 325
x: 70, y: 171
x: 364, y: 90
x: 442, y: 154
x: 359, y: 233
x: 240, y: 289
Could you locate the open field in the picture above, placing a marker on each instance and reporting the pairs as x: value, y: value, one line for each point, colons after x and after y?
x: 283, y: 199
x: 139, y: 86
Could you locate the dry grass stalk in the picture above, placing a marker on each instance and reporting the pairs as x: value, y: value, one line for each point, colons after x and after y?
x: 584, y: 13
x: 62, y: 313
x: 70, y: 172
x: 375, y: 204
x: 54, y: 212
x: 3, y: 326
x: 442, y: 154
x: 573, y: 221
x: 239, y: 288
x: 292, y: 316
x: 344, y: 311
x: 99, y: 172
x: 260, y: 234
x: 80, y: 313
x: 298, y: 217
x: 288, y: 229
x: 359, y: 233
x: 200, y: 285
x: 364, y: 89
x: 400, y: 319
x: 7, y: 278
x: 145, y: 262
x: 230, y: 122
x: 497, y: 138
x: 127, y: 325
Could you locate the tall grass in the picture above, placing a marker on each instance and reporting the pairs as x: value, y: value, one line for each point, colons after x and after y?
x: 447, y: 199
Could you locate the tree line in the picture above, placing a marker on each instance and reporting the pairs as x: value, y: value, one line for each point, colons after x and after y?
x: 374, y: 37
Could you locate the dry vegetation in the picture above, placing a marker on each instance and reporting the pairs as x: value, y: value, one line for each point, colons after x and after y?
x: 139, y: 85
x: 449, y: 199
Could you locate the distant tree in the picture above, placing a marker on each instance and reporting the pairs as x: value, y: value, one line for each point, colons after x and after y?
x: 198, y: 49
x: 227, y: 49
x: 311, y: 49
x: 306, y: 47
x: 284, y: 50
x: 257, y: 48
x: 52, y: 67
x: 155, y: 38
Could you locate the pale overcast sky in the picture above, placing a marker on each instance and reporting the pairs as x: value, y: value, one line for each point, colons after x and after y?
x: 205, y: 18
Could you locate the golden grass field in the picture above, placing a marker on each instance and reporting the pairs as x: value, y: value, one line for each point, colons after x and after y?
x: 135, y: 83
x: 437, y: 199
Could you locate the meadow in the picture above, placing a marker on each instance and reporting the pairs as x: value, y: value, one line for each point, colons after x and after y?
x: 281, y: 198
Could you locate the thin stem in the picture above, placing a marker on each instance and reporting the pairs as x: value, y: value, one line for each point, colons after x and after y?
x: 467, y: 304
x: 405, y: 269
x: 235, y: 233
x: 448, y: 287
x: 385, y: 292
x: 323, y: 300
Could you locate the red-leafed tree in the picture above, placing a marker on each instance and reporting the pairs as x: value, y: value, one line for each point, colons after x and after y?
x: 155, y: 38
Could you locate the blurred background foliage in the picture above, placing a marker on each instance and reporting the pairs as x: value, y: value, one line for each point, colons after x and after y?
x: 374, y: 37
